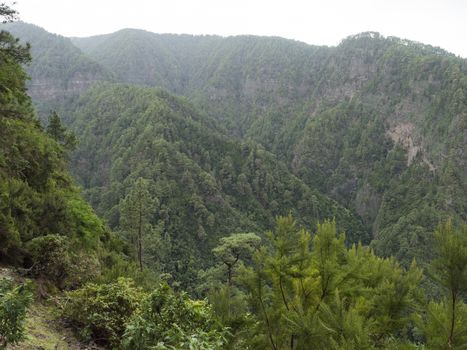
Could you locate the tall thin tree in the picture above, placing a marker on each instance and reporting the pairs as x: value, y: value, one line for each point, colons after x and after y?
x: 136, y: 211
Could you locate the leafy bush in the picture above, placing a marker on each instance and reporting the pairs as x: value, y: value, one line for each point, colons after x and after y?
x: 84, y: 267
x: 115, y: 265
x: 173, y: 321
x: 14, y: 301
x: 49, y: 257
x: 101, y: 312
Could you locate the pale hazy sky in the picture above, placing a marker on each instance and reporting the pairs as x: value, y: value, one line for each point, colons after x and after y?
x: 321, y: 22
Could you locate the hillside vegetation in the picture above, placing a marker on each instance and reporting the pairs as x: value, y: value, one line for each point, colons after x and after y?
x: 376, y: 123
x: 236, y: 193
x: 59, y: 70
x: 206, y: 184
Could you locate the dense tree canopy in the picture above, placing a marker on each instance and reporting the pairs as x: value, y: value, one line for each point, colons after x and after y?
x: 207, y: 185
x: 309, y: 196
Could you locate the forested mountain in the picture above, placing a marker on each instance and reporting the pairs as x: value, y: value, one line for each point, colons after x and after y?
x: 57, y: 243
x: 242, y: 170
x: 206, y: 184
x: 142, y: 57
x: 237, y: 79
x: 59, y: 71
x: 372, y: 122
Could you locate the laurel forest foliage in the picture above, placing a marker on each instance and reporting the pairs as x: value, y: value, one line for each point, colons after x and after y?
x: 121, y: 315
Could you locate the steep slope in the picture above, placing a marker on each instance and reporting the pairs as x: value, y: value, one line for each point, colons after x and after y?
x: 389, y: 139
x: 235, y: 79
x: 130, y: 52
x: 43, y: 329
x: 207, y: 184
x: 59, y: 71
x: 377, y: 123
x: 141, y: 57
x: 45, y: 225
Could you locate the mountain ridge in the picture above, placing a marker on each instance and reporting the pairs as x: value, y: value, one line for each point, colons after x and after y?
x: 356, y: 121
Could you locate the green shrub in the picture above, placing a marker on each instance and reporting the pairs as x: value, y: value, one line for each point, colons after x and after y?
x: 101, y: 312
x: 49, y: 257
x: 14, y: 301
x: 84, y: 267
x: 115, y: 265
x: 173, y: 321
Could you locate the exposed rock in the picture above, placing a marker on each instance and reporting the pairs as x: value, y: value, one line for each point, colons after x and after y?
x: 402, y: 134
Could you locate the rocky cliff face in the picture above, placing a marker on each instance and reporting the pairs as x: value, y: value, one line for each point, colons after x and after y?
x: 58, y: 70
x: 50, y: 89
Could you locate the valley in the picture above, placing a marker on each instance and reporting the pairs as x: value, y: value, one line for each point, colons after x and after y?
x: 278, y: 193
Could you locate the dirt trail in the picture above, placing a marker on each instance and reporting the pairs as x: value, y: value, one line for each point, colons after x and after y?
x: 43, y: 329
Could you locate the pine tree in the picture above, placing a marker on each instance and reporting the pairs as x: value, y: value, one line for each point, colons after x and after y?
x: 281, y: 281
x: 136, y: 211
x: 60, y: 133
x: 233, y: 248
x: 445, y: 323
x: 55, y: 128
x: 317, y: 294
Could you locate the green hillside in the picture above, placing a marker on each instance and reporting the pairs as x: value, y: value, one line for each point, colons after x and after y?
x: 391, y: 145
x: 142, y: 57
x: 236, y: 79
x: 308, y: 196
x: 59, y: 71
x: 38, y: 196
x: 57, y: 250
x: 206, y: 184
x: 368, y: 122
